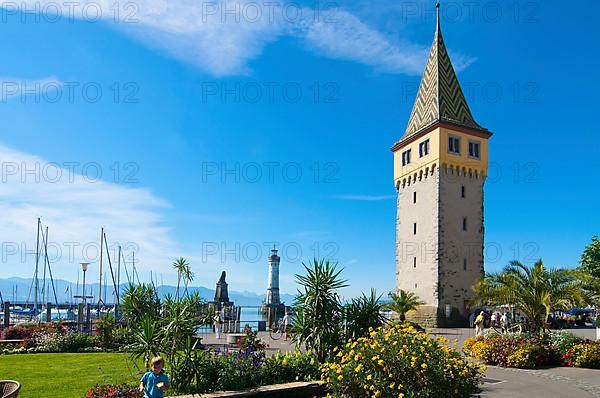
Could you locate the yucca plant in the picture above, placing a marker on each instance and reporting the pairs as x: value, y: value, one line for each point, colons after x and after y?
x: 138, y: 302
x: 362, y: 313
x: 318, y: 322
x: 146, y: 341
x: 180, y: 265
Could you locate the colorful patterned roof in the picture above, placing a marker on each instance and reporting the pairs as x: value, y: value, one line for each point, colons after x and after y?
x: 440, y: 97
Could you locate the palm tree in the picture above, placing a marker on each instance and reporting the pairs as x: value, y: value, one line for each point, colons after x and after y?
x: 402, y: 302
x: 535, y: 291
x: 179, y: 265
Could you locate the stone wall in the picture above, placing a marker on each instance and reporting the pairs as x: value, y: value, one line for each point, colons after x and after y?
x: 449, y: 260
x: 416, y: 254
x: 461, y: 251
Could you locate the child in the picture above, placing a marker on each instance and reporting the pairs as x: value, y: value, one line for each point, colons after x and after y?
x: 154, y: 382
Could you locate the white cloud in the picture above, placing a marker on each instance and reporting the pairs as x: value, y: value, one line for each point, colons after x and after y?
x: 74, y: 209
x: 222, y: 37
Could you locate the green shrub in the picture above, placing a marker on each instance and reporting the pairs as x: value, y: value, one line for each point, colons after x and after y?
x: 122, y: 336
x: 194, y: 371
x: 70, y: 342
x: 400, y: 361
x: 283, y: 368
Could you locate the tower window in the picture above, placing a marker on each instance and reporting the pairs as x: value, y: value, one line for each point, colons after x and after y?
x: 424, y: 148
x: 474, y: 150
x: 454, y: 144
x: 414, y: 262
x: 464, y: 264
x: 414, y: 228
x: 406, y: 157
x: 415, y: 197
x: 415, y: 285
x: 462, y: 191
x: 464, y: 223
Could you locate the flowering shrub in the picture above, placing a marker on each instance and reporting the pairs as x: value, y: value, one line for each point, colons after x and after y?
x: 399, y: 362
x: 560, y: 348
x: 104, y: 330
x: 251, y: 341
x: 70, y: 342
x: 527, y: 356
x: 584, y: 355
x: 109, y: 391
x: 17, y: 332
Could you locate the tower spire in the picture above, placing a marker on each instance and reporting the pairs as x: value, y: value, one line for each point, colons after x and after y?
x: 437, y: 26
x: 440, y: 97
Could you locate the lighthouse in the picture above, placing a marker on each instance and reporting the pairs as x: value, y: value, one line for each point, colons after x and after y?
x: 273, y: 305
x: 273, y: 285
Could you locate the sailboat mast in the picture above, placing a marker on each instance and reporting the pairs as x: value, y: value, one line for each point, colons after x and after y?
x: 101, y: 252
x: 37, y: 262
x: 118, y: 275
x: 44, y: 285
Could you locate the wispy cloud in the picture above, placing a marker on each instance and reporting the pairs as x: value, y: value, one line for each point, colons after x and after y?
x: 365, y: 198
x: 353, y: 40
x: 223, y: 37
x: 12, y: 88
x: 75, y: 207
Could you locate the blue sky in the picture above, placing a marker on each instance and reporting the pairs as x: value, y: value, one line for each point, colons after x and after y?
x: 189, y: 169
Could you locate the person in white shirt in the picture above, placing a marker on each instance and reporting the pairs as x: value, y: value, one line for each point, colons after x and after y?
x: 286, y: 323
x: 218, y: 321
x: 493, y: 319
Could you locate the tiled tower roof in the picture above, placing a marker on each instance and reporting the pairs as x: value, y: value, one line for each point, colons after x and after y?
x: 440, y: 97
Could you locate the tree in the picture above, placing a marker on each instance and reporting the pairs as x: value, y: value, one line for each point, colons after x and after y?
x: 180, y: 266
x: 318, y: 321
x: 589, y: 271
x: 535, y: 291
x: 590, y: 258
x: 402, y: 302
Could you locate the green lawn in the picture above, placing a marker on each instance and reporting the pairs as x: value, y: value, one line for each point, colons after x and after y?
x: 66, y: 375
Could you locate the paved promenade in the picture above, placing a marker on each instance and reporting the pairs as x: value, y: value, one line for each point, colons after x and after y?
x: 498, y: 382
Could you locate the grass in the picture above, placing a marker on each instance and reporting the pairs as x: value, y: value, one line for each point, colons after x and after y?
x: 66, y: 375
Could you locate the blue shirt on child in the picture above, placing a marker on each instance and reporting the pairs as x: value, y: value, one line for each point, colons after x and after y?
x: 150, y: 381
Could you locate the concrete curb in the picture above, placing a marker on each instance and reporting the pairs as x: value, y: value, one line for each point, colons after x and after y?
x: 289, y: 390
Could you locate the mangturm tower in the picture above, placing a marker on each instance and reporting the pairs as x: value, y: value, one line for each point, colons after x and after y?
x: 440, y: 165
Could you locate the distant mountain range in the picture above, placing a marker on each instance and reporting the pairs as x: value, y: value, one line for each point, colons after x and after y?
x: 65, y: 289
